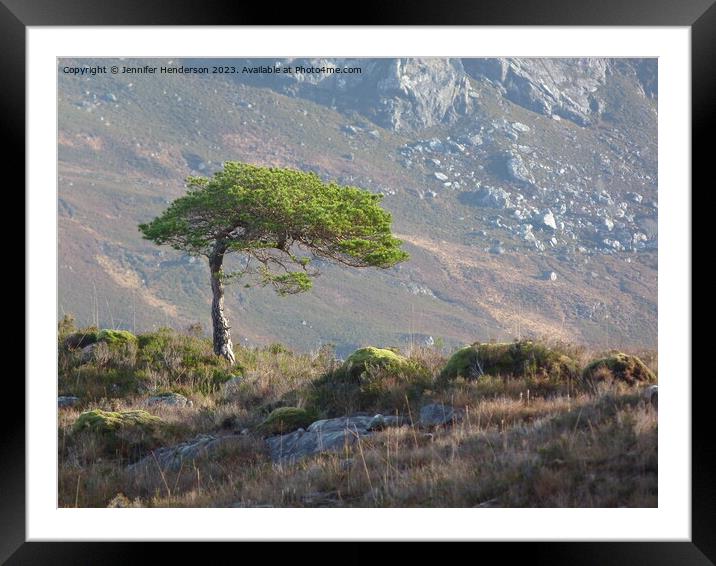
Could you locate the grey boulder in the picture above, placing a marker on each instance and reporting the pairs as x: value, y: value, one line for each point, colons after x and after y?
x: 171, y: 458
x: 651, y: 395
x: 326, y: 435
x: 67, y: 401
x: 438, y: 414
x: 170, y: 399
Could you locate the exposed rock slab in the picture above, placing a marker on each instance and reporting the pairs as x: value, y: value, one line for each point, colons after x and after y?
x: 327, y: 435
x: 171, y: 458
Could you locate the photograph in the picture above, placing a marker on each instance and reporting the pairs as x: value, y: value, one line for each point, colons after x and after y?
x: 357, y: 282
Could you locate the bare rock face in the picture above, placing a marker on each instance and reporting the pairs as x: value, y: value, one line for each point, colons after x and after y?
x: 397, y: 94
x: 173, y: 457
x: 327, y: 435
x: 548, y: 86
x: 423, y: 92
x: 437, y: 414
x: 416, y: 93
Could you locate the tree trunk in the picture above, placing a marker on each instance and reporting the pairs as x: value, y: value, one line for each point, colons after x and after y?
x: 222, y: 335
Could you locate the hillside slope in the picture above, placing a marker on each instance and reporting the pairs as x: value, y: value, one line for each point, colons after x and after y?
x: 499, y: 173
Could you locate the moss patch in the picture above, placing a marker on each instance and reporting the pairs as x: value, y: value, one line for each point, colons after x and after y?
x: 370, y: 357
x: 523, y: 358
x: 619, y: 367
x: 123, y: 434
x: 109, y: 421
x: 116, y: 337
x: 371, y: 379
x: 286, y: 419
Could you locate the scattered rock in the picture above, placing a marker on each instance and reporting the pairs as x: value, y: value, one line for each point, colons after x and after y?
x: 492, y: 198
x: 549, y: 221
x: 67, y: 401
x: 285, y: 419
x: 87, y: 353
x: 171, y: 458
x: 170, y: 399
x: 437, y: 414
x: 80, y: 340
x: 651, y: 395
x: 497, y: 249
x: 517, y: 170
x: 233, y: 383
x: 380, y: 422
x: 327, y: 435
x: 289, y: 448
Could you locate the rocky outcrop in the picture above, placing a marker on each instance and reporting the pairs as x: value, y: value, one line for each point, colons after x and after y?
x: 651, y: 395
x: 566, y: 88
x: 170, y: 400
x: 327, y: 435
x: 397, y: 94
x: 438, y: 414
x: 172, y: 458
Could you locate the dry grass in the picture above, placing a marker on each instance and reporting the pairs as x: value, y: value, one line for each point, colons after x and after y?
x: 522, y: 443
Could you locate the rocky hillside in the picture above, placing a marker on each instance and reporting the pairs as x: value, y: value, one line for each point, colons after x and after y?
x: 525, y: 189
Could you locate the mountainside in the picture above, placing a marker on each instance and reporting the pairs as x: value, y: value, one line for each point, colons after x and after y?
x: 525, y: 190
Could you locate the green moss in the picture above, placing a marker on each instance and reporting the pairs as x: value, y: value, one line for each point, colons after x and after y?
x: 371, y: 379
x: 123, y: 434
x: 286, y: 419
x: 116, y: 337
x: 105, y: 422
x: 523, y: 358
x: 620, y: 367
x: 370, y: 357
x: 462, y: 364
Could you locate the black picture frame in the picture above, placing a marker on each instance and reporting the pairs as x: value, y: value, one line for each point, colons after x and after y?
x: 699, y: 15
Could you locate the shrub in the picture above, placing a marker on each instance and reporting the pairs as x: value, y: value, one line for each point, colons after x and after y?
x: 166, y: 349
x: 124, y: 433
x: 286, y: 419
x: 278, y: 348
x: 523, y: 358
x: 365, y: 358
x: 182, y: 360
x: 90, y: 382
x: 92, y: 335
x: 81, y: 338
x: 371, y: 379
x: 618, y: 366
x: 66, y: 326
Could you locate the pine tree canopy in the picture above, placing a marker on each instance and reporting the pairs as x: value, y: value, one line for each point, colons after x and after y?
x: 277, y: 219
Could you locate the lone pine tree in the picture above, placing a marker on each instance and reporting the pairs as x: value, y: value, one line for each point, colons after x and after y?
x: 276, y: 219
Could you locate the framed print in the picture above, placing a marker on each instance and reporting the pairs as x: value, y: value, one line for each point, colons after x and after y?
x: 405, y: 277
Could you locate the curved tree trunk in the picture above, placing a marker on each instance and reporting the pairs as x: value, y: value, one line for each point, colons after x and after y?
x: 222, y: 335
